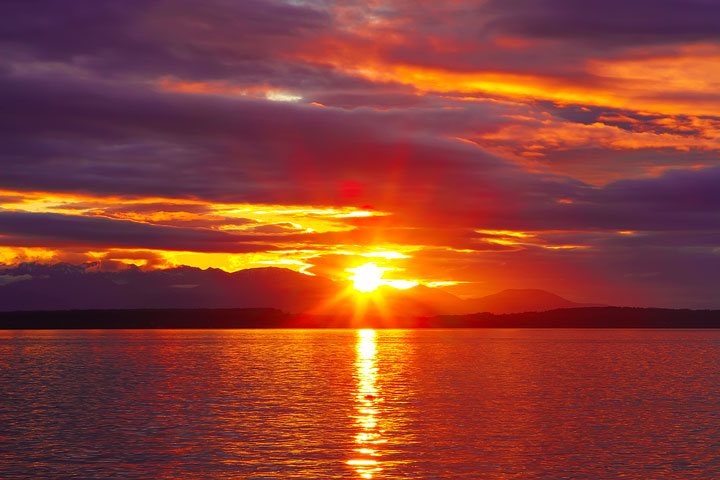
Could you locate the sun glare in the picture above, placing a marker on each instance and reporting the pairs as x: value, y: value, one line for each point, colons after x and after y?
x: 367, y: 277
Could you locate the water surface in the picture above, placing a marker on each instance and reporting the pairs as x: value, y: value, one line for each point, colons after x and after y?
x: 314, y: 404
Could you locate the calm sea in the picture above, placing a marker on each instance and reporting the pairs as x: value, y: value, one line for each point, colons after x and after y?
x: 316, y: 404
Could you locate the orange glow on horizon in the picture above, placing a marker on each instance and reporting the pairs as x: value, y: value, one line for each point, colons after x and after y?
x: 369, y: 162
x: 368, y: 277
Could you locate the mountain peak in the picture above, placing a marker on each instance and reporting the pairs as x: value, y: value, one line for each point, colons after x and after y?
x: 517, y: 300
x: 524, y: 293
x: 65, y: 286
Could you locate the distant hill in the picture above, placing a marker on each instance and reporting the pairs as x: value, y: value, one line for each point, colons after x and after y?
x: 425, y: 301
x: 517, y: 300
x: 32, y: 286
x: 584, y: 317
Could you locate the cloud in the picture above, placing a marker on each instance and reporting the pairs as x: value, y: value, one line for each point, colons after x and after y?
x: 127, y: 38
x: 610, y: 23
x: 568, y: 122
x: 8, y: 279
x: 47, y: 229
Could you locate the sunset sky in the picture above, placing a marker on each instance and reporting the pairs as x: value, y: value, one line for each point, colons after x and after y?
x: 474, y: 145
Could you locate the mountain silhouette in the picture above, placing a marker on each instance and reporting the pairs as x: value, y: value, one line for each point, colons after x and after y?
x: 522, y: 300
x: 62, y: 286
x: 32, y: 286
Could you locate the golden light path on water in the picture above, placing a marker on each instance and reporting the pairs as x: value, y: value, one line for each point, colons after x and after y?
x: 367, y: 407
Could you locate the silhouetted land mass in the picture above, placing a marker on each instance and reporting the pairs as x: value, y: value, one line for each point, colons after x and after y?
x: 62, y: 286
x: 586, y: 317
x: 589, y: 317
x: 145, y: 319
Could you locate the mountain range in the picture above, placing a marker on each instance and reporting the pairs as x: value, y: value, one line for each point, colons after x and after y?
x: 34, y: 286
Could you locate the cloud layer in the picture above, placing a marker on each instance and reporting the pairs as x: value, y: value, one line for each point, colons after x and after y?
x: 497, y: 144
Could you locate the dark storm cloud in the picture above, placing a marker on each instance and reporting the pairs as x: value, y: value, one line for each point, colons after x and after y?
x: 610, y: 22
x: 626, y: 119
x: 147, y: 142
x: 131, y: 38
x: 70, y: 134
x: 255, y: 42
x: 677, y: 200
x: 44, y: 229
x: 600, y: 165
x: 684, y: 192
x: 243, y: 44
x: 88, y: 106
x: 116, y: 139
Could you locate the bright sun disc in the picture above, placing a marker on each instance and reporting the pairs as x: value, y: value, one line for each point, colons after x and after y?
x: 367, y: 278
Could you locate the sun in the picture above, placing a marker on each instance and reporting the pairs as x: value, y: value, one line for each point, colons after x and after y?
x: 368, y: 277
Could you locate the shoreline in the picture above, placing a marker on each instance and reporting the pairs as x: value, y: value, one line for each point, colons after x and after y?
x: 229, y: 318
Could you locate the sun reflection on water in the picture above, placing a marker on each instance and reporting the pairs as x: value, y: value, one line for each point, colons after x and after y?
x: 367, y: 408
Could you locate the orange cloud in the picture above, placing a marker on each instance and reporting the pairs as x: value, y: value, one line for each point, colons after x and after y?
x: 683, y: 81
x: 226, y: 88
x: 554, y: 134
x: 220, y: 216
x: 530, y: 142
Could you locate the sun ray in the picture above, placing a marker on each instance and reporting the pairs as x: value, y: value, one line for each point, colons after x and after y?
x: 368, y: 277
